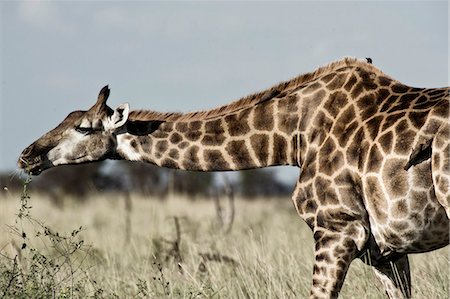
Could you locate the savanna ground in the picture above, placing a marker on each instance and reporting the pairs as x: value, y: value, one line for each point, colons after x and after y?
x: 267, y: 253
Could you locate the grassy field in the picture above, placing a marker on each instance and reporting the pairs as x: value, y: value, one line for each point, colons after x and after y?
x: 267, y: 254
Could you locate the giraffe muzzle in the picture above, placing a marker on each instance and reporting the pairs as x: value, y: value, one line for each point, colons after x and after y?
x: 32, y: 160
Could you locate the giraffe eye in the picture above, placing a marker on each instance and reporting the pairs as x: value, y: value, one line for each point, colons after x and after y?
x: 84, y: 130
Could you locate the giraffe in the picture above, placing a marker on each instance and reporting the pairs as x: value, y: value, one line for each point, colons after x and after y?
x: 373, y: 155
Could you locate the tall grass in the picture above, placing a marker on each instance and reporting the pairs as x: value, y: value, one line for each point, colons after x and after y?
x: 267, y: 254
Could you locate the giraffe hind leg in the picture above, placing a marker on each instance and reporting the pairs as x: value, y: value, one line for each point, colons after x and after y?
x: 395, y: 277
x: 440, y: 166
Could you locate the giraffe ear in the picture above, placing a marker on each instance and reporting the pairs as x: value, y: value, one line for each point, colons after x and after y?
x: 120, y: 116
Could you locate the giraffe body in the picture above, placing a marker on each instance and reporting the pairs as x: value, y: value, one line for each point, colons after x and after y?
x: 373, y: 154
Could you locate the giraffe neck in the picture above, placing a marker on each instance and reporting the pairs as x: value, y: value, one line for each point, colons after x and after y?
x: 255, y: 137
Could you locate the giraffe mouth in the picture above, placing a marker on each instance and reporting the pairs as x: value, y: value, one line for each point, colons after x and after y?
x: 32, y: 166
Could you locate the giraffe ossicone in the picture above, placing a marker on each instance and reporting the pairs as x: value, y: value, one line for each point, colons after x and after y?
x: 373, y: 153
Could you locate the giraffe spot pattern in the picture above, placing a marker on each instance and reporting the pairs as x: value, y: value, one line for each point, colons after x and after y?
x: 260, y: 145
x: 395, y: 177
x: 239, y: 154
x: 191, y: 160
x: 279, y: 150
x: 238, y: 123
x: 263, y: 116
x: 175, y: 138
x: 374, y: 160
x: 386, y: 142
x: 378, y: 203
x: 215, y: 160
x: 335, y: 102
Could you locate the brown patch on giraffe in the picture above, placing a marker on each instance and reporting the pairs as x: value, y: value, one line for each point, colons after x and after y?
x: 432, y: 126
x: 420, y: 100
x: 322, y: 126
x: 238, y: 123
x: 289, y: 104
x: 330, y: 159
x: 263, y: 116
x: 260, y: 145
x: 367, y: 78
x: 358, y: 150
x: 400, y: 209
x: 337, y: 82
x: 373, y: 126
x: 404, y: 142
x: 146, y: 143
x: 161, y: 146
x: 384, y: 81
x: 183, y: 145
x: 441, y: 110
x: 309, y: 165
x: 399, y: 88
x: 404, y: 137
x: 181, y: 127
x: 417, y: 200
x: 214, y: 160
x: 325, y: 192
x: 335, y: 102
x: 195, y: 125
x: 418, y: 118
x: 173, y: 153
x: 214, y: 127
x: 374, y: 159
x: 311, y: 88
x: 400, y: 106
x: 425, y: 105
x: 437, y: 93
x: 391, y: 120
x: 167, y: 126
x: 193, y: 135
x: 357, y: 90
x: 239, y: 154
x: 395, y: 177
x: 160, y: 134
x: 345, y: 126
x: 376, y: 200
x: 389, y: 102
x: 214, y: 133
x: 368, y: 106
x: 310, y: 205
x: 169, y: 163
x: 309, y: 107
x: 279, y: 150
x: 175, y: 138
x: 399, y: 225
x: 350, y: 83
x: 288, y: 122
x: 386, y: 141
x: 191, y: 160
x: 134, y: 144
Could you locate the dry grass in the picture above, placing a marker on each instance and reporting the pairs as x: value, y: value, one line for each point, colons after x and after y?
x: 267, y: 254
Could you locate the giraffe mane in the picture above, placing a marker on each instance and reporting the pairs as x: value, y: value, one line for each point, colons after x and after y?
x: 255, y: 98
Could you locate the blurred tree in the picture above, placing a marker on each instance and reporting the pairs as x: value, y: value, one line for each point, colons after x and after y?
x: 190, y: 183
x: 260, y: 183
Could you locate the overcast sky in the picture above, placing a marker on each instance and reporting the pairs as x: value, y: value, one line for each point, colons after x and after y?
x: 185, y: 56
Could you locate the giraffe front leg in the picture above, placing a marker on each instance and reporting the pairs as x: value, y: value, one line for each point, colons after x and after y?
x: 334, y: 253
x: 395, y: 277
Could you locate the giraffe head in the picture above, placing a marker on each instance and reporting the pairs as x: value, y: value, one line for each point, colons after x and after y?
x: 83, y: 136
